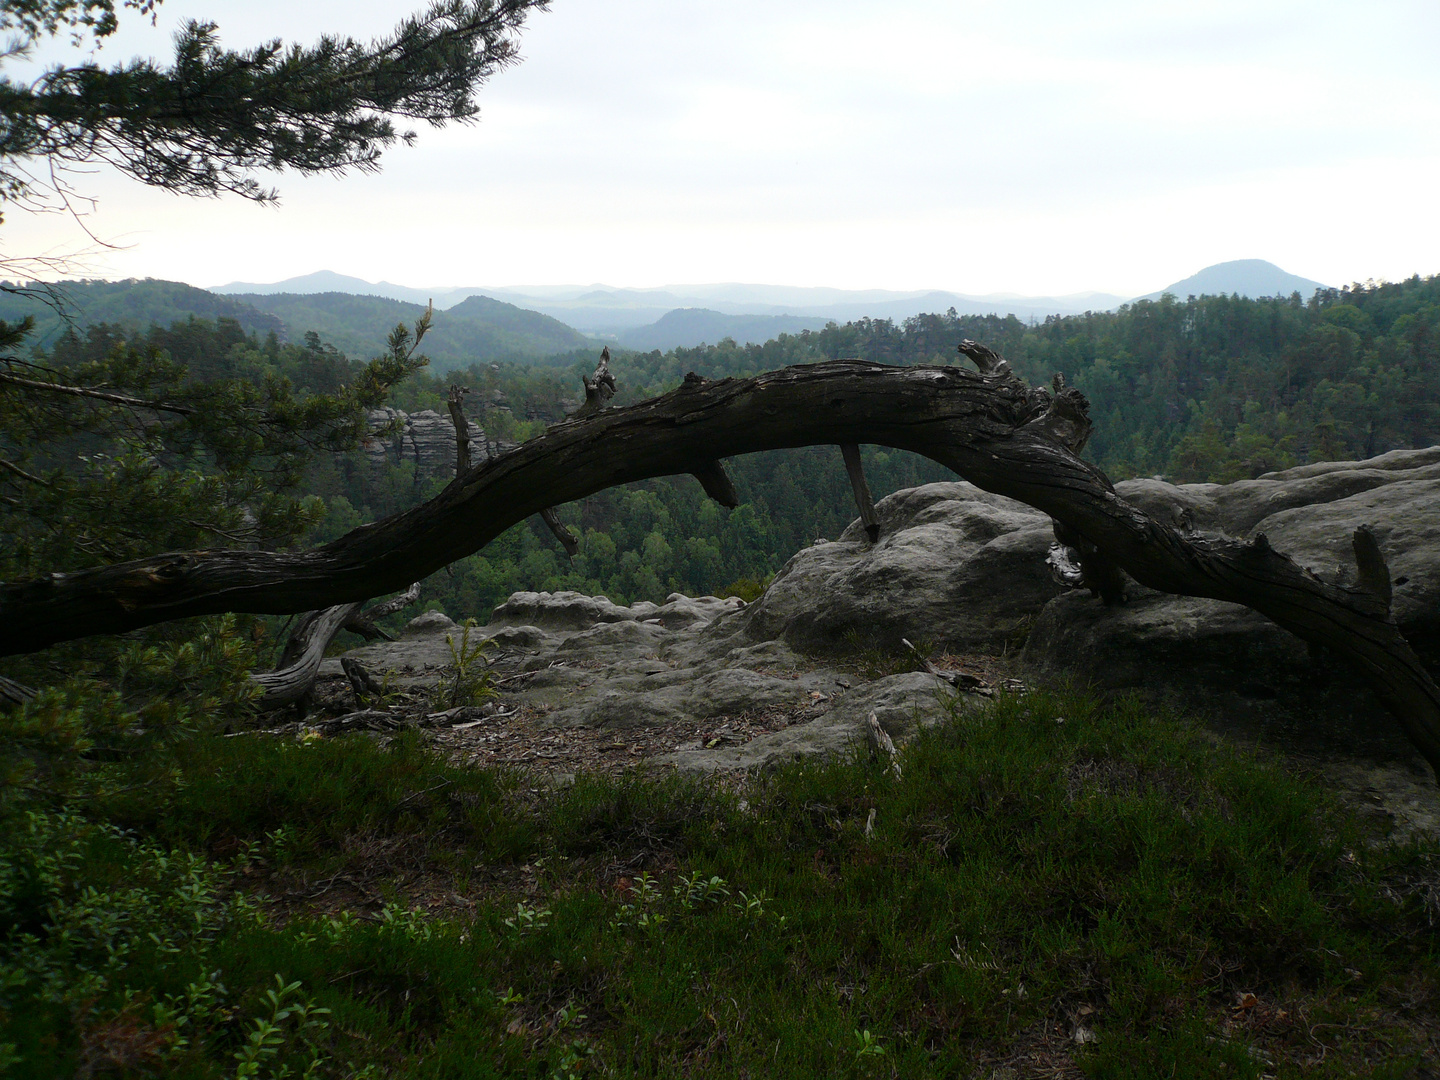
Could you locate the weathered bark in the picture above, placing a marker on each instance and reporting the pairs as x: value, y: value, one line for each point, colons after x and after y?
x: 961, y: 680
x: 717, y: 484
x: 455, y: 402
x: 295, y: 676
x: 863, y: 502
x: 13, y: 693
x: 599, y: 387
x: 568, y: 540
x: 989, y: 427
x: 363, y: 622
x: 362, y: 683
x: 881, y: 743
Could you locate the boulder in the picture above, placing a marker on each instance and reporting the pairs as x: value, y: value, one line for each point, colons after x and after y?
x: 1235, y: 664
x: 431, y: 622
x: 681, y: 612
x: 953, y: 564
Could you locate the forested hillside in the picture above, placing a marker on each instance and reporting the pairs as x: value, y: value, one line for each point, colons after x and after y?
x: 135, y: 305
x: 1214, y: 388
x: 477, y: 328
x: 1209, y: 388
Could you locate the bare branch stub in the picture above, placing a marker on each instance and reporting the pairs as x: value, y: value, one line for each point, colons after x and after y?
x: 567, y: 539
x: 863, y: 502
x: 362, y: 683
x: 364, y: 622
x: 455, y: 402
x: 599, y: 387
x: 1370, y: 561
x: 717, y: 484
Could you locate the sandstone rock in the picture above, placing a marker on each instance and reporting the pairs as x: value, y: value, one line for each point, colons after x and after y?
x: 425, y: 438
x: 518, y: 637
x: 953, y: 564
x: 901, y: 703
x: 1239, y: 508
x: 680, y: 612
x: 1405, y: 517
x: 574, y: 611
x: 1235, y: 664
x: 628, y: 637
x: 559, y: 611
x: 431, y: 622
x: 631, y: 698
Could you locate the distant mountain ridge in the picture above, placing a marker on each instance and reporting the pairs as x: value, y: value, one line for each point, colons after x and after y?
x: 476, y: 329
x: 610, y: 312
x: 688, y: 327
x: 540, y: 322
x: 134, y: 304
x: 327, y: 281
x: 645, y: 318
x: 1253, y: 278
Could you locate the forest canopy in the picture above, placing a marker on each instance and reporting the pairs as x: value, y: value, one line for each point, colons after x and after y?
x: 1211, y: 388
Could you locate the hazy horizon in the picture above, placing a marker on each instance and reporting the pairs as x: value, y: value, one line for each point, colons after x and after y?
x: 1023, y: 150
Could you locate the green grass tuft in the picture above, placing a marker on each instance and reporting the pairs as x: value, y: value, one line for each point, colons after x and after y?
x: 1053, y: 883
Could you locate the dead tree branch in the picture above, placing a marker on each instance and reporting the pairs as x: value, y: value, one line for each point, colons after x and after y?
x: 568, y: 540
x: 455, y: 402
x: 95, y: 395
x: 990, y: 428
x: 599, y: 387
x: 295, y: 676
x: 364, y: 622
x: 863, y: 502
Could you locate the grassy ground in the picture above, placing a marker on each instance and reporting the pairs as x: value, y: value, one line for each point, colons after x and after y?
x: 1052, y: 887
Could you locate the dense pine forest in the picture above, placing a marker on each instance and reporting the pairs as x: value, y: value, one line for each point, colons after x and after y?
x: 1204, y: 389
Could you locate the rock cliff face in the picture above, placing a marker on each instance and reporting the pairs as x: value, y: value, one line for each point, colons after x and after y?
x: 426, y: 438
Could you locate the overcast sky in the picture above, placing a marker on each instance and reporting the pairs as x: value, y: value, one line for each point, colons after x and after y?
x: 1028, y: 147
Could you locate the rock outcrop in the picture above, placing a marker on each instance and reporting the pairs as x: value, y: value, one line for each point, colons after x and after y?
x: 647, y: 676
x: 703, y: 684
x: 425, y: 438
x: 953, y: 564
x: 1234, y: 664
x: 575, y: 611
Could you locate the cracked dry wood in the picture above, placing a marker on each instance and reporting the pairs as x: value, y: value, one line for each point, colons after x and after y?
x: 989, y: 427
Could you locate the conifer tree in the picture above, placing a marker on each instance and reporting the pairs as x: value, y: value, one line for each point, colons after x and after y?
x: 128, y: 453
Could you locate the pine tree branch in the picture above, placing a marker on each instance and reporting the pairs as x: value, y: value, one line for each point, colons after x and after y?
x: 11, y: 467
x: 97, y: 395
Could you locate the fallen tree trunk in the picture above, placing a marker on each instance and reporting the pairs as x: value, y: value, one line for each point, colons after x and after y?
x: 989, y: 427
